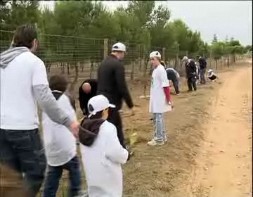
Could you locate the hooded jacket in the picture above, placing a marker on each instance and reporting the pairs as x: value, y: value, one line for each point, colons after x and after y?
x: 102, y: 156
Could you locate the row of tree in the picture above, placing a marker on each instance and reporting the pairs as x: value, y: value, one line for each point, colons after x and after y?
x: 141, y: 23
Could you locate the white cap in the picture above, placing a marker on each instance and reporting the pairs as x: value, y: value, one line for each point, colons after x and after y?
x: 98, y: 103
x: 210, y: 70
x: 155, y: 54
x: 119, y: 47
x: 185, y: 58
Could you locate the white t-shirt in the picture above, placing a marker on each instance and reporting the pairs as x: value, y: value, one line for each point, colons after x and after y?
x: 102, y: 163
x: 158, y: 103
x: 60, y: 144
x: 18, y: 107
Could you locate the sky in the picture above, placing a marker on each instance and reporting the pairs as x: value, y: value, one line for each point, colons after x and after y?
x: 223, y: 18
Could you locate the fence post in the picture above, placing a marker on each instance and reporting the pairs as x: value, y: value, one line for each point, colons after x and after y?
x: 163, y: 54
x: 105, y: 47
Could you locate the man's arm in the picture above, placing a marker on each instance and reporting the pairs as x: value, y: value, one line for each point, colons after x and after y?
x: 46, y: 100
x: 122, y: 86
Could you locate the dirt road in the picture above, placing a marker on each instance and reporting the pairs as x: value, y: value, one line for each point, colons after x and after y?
x: 224, y: 164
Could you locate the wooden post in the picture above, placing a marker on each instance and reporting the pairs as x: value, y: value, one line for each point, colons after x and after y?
x: 163, y: 54
x: 105, y: 48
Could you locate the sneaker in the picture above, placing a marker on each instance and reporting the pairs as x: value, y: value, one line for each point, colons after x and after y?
x: 155, y: 143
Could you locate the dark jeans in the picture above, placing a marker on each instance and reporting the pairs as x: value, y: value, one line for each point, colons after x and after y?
x: 176, y: 85
x: 114, y: 118
x: 202, y: 76
x: 54, y: 175
x: 23, y: 151
x: 191, y: 82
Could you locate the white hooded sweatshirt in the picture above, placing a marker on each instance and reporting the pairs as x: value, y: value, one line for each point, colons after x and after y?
x: 102, y: 163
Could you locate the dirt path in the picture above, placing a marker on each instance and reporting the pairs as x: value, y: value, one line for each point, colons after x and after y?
x: 224, y: 164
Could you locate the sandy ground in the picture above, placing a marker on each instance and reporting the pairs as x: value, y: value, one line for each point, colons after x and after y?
x: 223, y: 166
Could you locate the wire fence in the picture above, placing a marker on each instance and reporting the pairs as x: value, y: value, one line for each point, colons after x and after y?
x: 80, y: 56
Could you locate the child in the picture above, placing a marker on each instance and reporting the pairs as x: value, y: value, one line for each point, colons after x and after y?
x: 211, y: 75
x: 102, y: 153
x: 60, y: 144
x: 160, y: 99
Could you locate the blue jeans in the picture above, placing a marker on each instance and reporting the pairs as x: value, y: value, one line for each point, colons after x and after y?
x: 23, y: 151
x: 159, y: 127
x: 54, y: 174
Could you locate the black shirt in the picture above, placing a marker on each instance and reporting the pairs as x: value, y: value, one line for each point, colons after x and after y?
x: 84, y: 97
x: 112, y: 83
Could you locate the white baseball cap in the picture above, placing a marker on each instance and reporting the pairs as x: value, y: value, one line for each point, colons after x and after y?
x: 185, y: 58
x: 155, y: 54
x: 98, y: 103
x: 119, y: 47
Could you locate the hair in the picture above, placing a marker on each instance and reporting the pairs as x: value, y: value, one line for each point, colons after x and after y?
x: 58, y: 82
x: 98, y: 115
x: 163, y: 63
x: 24, y: 36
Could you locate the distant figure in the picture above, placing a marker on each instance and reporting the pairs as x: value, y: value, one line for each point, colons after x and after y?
x: 87, y: 90
x: 173, y: 76
x: 202, y: 71
x: 191, y: 73
x: 211, y: 75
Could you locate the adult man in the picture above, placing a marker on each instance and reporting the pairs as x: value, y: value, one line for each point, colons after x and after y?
x: 112, y: 84
x: 160, y: 100
x: 23, y: 82
x: 87, y: 90
x: 202, y: 70
x: 173, y: 76
x: 191, y: 73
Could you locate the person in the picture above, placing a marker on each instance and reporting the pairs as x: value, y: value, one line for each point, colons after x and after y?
x: 211, y: 75
x: 60, y: 144
x: 202, y: 69
x: 173, y: 76
x: 191, y: 73
x: 87, y: 90
x: 102, y: 154
x: 112, y: 84
x: 160, y: 99
x: 23, y: 83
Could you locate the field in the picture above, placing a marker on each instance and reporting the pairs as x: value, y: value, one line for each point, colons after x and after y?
x: 209, y: 139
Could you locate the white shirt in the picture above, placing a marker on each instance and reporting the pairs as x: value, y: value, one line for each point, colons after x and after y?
x: 158, y: 103
x: 18, y: 107
x: 60, y: 144
x: 102, y: 163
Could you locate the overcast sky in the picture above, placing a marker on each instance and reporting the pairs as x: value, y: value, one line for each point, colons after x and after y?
x: 224, y: 18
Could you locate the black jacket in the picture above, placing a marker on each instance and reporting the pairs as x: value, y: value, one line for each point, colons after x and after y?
x: 191, y: 69
x: 84, y: 98
x: 202, y: 63
x: 171, y: 75
x: 112, y: 83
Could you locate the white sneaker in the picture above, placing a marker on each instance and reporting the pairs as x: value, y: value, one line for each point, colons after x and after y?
x: 155, y: 143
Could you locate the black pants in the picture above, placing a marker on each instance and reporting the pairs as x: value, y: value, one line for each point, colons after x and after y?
x: 191, y: 82
x: 114, y: 118
x: 23, y: 151
x: 176, y: 86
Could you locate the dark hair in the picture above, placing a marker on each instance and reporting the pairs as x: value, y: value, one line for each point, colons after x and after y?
x: 24, y: 36
x: 58, y: 82
x: 98, y: 115
x: 163, y: 63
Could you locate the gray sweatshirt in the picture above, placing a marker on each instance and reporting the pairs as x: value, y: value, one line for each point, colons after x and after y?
x: 42, y: 93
